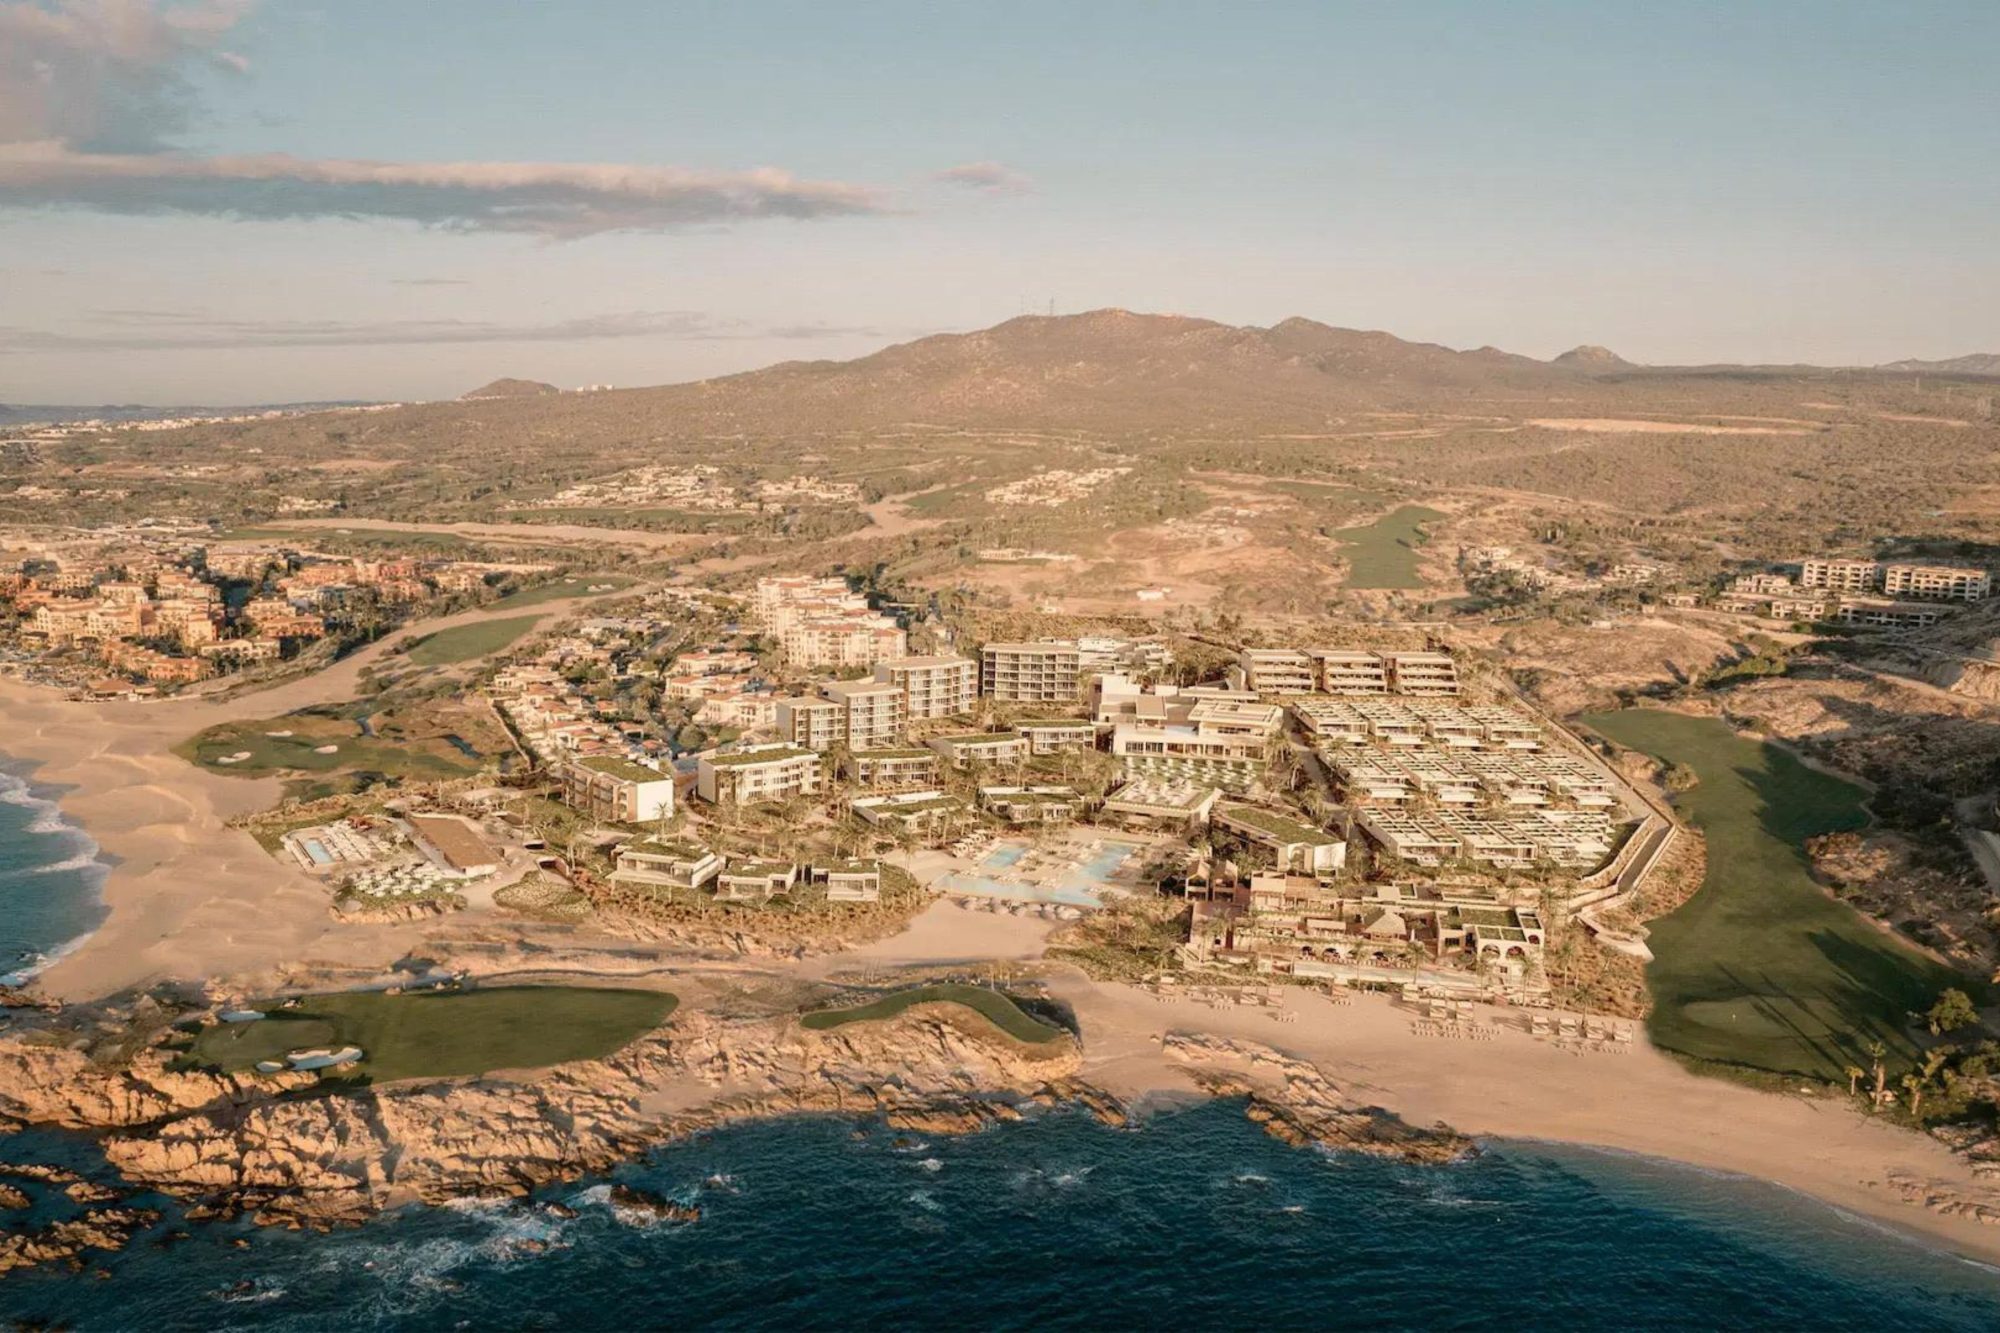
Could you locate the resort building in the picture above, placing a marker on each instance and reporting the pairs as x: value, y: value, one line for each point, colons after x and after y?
x: 1899, y: 578
x: 981, y: 747
x: 1031, y: 805
x: 872, y: 713
x: 1841, y: 575
x: 1030, y: 673
x: 662, y: 863
x: 1163, y: 801
x: 1101, y: 652
x: 933, y: 687
x: 1054, y: 735
x: 1423, y: 674
x: 1955, y: 583
x: 914, y: 810
x: 812, y: 724
x: 1347, y: 671
x: 758, y: 773
x: 1295, y: 845
x: 1764, y: 584
x: 820, y: 622
x: 453, y: 845
x: 1436, y: 934
x: 850, y: 881
x: 752, y: 881
x: 1281, y: 671
x: 1880, y: 613
x: 888, y: 768
x: 1115, y: 699
x: 844, y: 640
x: 1203, y: 729
x: 614, y: 788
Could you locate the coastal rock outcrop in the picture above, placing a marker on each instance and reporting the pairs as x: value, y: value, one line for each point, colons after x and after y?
x: 1298, y: 1104
x: 68, y: 1240
x: 59, y: 1085
x: 323, y: 1161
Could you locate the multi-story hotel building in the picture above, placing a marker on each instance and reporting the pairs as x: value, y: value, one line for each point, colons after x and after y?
x: 1841, y: 575
x: 1030, y: 673
x: 1956, y: 583
x: 758, y: 773
x: 933, y: 687
x: 612, y: 787
x: 1277, y: 670
x: 812, y: 724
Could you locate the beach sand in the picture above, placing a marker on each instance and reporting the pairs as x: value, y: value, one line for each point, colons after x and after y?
x: 1516, y: 1086
x: 190, y: 897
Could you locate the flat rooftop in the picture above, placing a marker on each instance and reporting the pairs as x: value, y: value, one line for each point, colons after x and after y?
x: 617, y: 766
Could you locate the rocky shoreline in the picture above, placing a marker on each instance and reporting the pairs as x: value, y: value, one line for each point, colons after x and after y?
x: 269, y: 1148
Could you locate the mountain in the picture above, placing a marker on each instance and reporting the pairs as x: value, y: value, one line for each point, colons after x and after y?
x: 1115, y: 370
x: 1108, y: 372
x: 1979, y: 363
x: 1590, y: 357
x: 510, y: 388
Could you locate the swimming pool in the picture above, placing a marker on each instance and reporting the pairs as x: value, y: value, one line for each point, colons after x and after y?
x: 318, y: 852
x: 1081, y: 885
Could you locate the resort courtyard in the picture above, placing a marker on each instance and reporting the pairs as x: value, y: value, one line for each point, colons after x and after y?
x: 1075, y: 867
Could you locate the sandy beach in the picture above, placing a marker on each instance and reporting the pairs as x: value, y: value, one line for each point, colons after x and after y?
x: 1513, y: 1086
x: 188, y: 896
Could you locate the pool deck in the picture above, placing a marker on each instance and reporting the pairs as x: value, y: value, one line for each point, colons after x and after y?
x: 1079, y: 871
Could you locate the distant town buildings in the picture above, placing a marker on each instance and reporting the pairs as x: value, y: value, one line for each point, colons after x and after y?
x: 821, y: 623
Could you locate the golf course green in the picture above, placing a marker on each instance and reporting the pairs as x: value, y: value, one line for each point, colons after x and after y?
x: 1009, y: 1017
x: 1762, y: 968
x: 442, y: 1034
x: 1383, y: 554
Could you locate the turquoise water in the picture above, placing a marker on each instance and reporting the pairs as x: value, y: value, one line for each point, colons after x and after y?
x: 1081, y: 887
x: 51, y: 878
x: 1194, y: 1220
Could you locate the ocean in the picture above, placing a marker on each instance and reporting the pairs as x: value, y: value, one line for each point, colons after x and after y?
x: 1192, y: 1220
x: 51, y: 879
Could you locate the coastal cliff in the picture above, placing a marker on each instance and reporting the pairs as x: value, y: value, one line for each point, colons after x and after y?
x: 268, y: 1148
x: 233, y: 1145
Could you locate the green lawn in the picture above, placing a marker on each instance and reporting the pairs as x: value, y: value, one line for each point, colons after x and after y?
x: 467, y: 643
x: 298, y: 752
x: 1761, y: 967
x: 1004, y: 1013
x: 1383, y: 554
x: 444, y: 1034
x: 578, y: 585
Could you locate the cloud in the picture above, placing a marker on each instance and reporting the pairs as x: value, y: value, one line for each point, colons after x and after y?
x: 987, y: 177
x: 807, y: 332
x: 179, y: 331
x: 550, y: 199
x: 92, y: 92
x: 108, y: 75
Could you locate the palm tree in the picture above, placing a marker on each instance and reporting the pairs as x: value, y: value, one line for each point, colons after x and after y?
x: 1913, y: 1084
x: 1854, y: 1073
x: 1877, y: 1053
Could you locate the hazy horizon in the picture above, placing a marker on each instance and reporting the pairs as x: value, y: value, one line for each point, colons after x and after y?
x: 226, y: 201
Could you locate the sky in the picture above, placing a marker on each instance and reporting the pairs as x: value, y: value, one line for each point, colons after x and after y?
x: 251, y: 201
